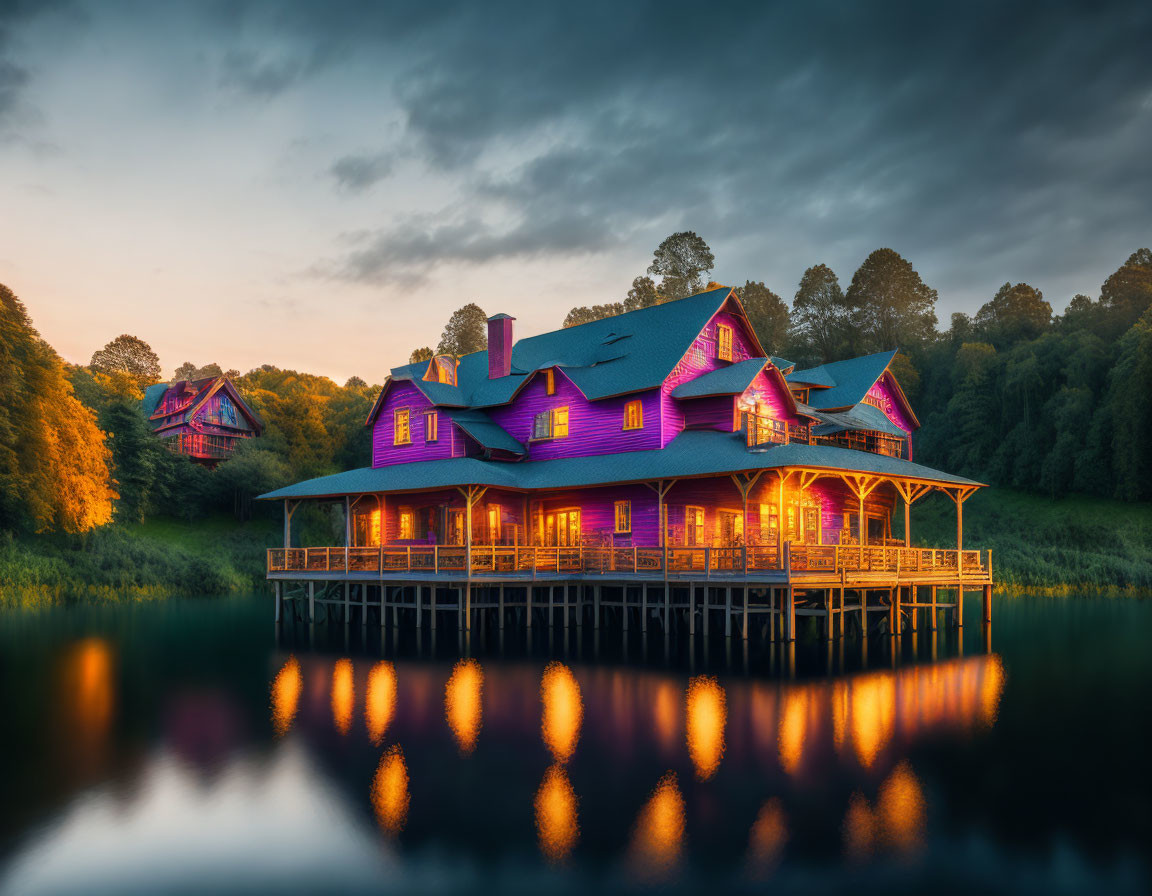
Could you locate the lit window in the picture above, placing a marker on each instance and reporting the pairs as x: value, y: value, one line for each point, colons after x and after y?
x: 694, y: 526
x: 550, y: 380
x: 633, y: 415
x: 430, y: 421
x: 400, y: 432
x: 724, y: 343
x: 623, y: 517
x: 407, y: 524
x: 560, y: 423
x: 493, y: 524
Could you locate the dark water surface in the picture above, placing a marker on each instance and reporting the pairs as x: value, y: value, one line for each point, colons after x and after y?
x: 191, y: 747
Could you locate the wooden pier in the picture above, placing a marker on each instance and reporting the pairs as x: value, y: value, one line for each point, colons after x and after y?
x: 848, y: 588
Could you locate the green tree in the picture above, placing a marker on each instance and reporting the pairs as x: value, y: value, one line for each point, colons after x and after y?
x: 1014, y: 314
x: 1130, y: 384
x: 189, y: 371
x: 584, y: 315
x: 420, y: 354
x: 127, y: 354
x: 681, y: 262
x: 820, y: 314
x: 643, y: 294
x: 767, y: 313
x: 465, y: 332
x: 892, y: 306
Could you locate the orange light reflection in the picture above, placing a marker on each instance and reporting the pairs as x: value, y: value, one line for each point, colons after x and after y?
x: 380, y: 700
x: 286, y: 687
x: 557, y: 823
x: 706, y: 714
x: 462, y: 703
x: 563, y: 711
x: 343, y: 695
x: 390, y: 795
x: 659, y: 833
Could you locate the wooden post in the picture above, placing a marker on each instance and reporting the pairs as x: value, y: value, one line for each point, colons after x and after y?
x: 347, y: 537
x: 914, y: 611
x: 644, y: 608
x: 596, y: 607
x: 960, y: 610
x: 744, y: 633
x: 311, y: 601
x: 728, y: 608
x: 347, y: 599
x: 791, y: 596
x: 987, y: 604
x: 501, y: 606
x: 279, y: 600
x: 691, y: 610
x: 828, y: 614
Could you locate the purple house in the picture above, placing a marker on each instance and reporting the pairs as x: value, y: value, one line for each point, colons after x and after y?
x: 204, y: 419
x: 660, y: 443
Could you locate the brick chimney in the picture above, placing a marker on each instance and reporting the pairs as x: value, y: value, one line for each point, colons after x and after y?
x: 499, y: 345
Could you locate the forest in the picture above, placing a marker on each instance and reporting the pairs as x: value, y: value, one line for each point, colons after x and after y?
x: 1055, y: 406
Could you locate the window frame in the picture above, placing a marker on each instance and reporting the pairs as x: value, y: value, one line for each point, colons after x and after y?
x: 622, y: 508
x: 556, y: 413
x: 406, y: 415
x: 431, y: 417
x: 723, y: 342
x: 552, y: 416
x: 403, y: 511
x: 638, y: 406
x: 699, y: 530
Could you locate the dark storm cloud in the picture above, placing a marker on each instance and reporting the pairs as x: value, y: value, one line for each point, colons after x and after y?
x: 1003, y: 130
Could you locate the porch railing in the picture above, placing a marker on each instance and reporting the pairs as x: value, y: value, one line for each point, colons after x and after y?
x: 798, y: 560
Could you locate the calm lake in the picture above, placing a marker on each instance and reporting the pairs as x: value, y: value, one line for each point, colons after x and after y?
x: 190, y: 746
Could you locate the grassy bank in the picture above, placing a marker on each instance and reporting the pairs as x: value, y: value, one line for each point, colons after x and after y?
x: 1061, y: 545
x: 160, y: 558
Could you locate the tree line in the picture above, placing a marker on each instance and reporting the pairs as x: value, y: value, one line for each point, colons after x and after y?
x: 1011, y: 395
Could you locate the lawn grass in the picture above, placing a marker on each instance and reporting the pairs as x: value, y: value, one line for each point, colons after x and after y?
x: 1052, y: 545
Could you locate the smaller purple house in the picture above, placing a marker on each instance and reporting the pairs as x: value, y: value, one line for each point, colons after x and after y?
x: 203, y: 419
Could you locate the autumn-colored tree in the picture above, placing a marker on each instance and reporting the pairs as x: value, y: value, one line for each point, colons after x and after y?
x: 465, y: 332
x: 584, y: 315
x: 821, y: 319
x: 1015, y: 313
x: 767, y: 313
x: 53, y: 459
x: 420, y: 354
x: 127, y: 354
x: 681, y: 262
x: 1127, y: 294
x: 892, y: 306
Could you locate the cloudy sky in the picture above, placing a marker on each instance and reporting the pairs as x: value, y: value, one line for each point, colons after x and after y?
x: 318, y: 185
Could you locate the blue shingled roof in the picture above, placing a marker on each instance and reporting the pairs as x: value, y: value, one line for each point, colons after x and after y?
x: 152, y: 396
x: 730, y: 380
x: 782, y: 364
x: 482, y: 428
x: 627, y: 353
x: 849, y: 380
x: 690, y: 454
x: 862, y: 417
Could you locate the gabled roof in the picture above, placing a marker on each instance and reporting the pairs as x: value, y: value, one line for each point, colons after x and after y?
x: 197, y: 392
x: 730, y: 380
x: 693, y: 453
x: 614, y: 356
x: 845, y: 382
x: 864, y: 417
x: 783, y: 365
x: 484, y: 430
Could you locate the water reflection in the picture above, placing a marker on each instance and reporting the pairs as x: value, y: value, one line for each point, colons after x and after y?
x: 563, y: 711
x: 859, y: 828
x: 557, y: 826
x: 462, y: 703
x: 793, y: 722
x: 659, y: 834
x: 706, y: 713
x: 872, y: 699
x: 767, y: 840
x: 390, y: 791
x: 343, y: 695
x: 286, y: 687
x: 380, y: 700
x: 87, y: 690
x: 901, y: 809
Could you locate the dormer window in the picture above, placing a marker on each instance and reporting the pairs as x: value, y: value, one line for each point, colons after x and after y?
x: 552, y: 424
x: 430, y: 426
x: 401, y: 433
x: 634, y: 415
x: 724, y: 342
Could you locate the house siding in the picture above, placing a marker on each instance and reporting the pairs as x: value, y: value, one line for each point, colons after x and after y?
x: 593, y: 427
x: 449, y: 442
